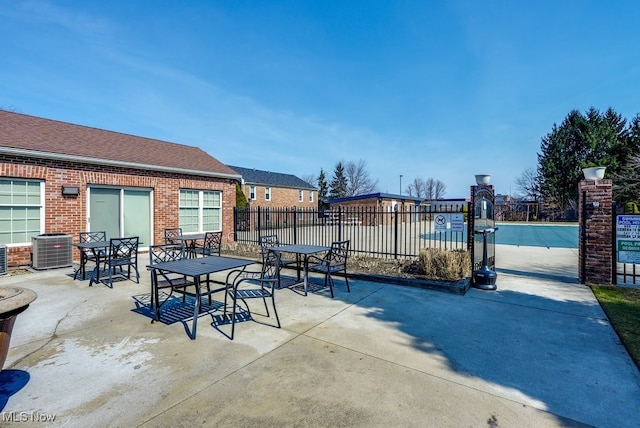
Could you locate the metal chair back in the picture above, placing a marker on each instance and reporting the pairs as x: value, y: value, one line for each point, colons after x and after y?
x: 338, y: 255
x: 93, y: 236
x: 165, y: 280
x: 172, y: 232
x: 123, y: 252
x: 212, y: 245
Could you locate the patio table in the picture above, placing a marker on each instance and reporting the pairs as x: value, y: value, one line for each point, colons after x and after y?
x: 97, y: 249
x: 190, y: 242
x: 196, y: 268
x: 305, y: 251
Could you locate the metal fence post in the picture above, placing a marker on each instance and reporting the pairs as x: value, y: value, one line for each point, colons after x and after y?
x: 340, y: 222
x: 395, y: 234
x: 259, y: 223
x: 295, y: 225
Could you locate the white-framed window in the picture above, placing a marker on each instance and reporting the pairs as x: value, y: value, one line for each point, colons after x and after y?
x: 267, y: 193
x: 200, y: 210
x: 300, y: 195
x: 310, y: 195
x: 21, y: 210
x: 252, y: 193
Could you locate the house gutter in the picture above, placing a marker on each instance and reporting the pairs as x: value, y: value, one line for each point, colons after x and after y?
x: 107, y: 162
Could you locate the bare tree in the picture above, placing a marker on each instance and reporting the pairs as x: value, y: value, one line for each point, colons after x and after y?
x: 10, y: 108
x: 359, y: 181
x: 434, y: 189
x: 439, y: 189
x: 416, y: 187
x: 528, y: 184
x: 311, y: 179
x: 428, y: 189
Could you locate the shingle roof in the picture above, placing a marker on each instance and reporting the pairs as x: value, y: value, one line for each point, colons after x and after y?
x: 35, y: 136
x: 257, y: 176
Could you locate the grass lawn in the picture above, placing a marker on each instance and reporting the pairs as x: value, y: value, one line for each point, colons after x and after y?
x: 622, y: 306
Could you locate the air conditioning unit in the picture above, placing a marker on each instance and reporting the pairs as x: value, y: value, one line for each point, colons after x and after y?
x: 3, y: 260
x: 51, y: 250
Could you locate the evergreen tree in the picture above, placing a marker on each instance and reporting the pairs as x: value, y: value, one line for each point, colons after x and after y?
x: 322, y: 191
x: 626, y: 183
x: 338, y: 188
x: 595, y: 138
x: 241, y: 199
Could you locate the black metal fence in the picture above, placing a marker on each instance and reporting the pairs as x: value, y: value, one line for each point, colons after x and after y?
x: 386, y: 233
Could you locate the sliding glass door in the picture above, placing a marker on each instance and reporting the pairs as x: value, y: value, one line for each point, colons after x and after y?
x: 121, y: 212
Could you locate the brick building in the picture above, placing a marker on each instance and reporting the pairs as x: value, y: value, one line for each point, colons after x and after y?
x: 276, y: 190
x: 57, y: 177
x: 375, y: 202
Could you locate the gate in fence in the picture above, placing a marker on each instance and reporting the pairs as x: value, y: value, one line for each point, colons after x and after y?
x: 390, y: 233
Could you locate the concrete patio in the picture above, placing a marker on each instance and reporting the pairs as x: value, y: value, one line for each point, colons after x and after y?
x: 539, y: 351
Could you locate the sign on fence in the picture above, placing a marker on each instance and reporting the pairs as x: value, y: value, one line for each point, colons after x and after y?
x: 628, y: 238
x: 453, y: 222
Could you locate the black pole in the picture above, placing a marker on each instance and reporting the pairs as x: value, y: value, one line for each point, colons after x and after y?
x: 614, y: 247
x: 583, y: 234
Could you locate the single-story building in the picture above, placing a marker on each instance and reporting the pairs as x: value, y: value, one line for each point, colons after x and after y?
x: 360, y: 206
x: 58, y: 177
x: 267, y: 189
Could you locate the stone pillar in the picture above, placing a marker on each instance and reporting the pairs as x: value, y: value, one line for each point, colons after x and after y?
x: 595, y: 240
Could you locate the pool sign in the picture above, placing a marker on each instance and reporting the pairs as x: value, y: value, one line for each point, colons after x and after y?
x: 628, y: 238
x: 449, y: 222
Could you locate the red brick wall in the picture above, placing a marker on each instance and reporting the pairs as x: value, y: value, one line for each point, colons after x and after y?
x: 596, y: 244
x: 281, y: 197
x: 65, y: 214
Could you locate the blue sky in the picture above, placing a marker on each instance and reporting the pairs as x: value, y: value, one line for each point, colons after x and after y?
x: 440, y: 89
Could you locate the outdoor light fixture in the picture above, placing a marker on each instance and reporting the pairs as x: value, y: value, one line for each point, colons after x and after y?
x: 483, y: 179
x: 596, y: 204
x: 70, y: 190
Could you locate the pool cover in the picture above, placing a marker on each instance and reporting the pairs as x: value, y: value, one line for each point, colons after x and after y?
x: 531, y: 235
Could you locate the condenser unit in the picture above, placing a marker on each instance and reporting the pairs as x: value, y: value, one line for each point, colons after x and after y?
x: 3, y: 260
x: 51, y: 250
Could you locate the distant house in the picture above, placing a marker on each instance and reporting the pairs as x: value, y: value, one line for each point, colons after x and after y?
x: 359, y: 207
x: 275, y: 189
x: 381, y: 201
x: 57, y: 177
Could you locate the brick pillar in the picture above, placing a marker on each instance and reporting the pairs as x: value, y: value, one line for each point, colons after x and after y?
x: 595, y: 239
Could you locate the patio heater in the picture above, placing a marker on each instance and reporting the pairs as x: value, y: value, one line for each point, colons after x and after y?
x: 485, y: 278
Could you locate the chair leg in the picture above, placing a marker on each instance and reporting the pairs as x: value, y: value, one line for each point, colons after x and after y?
x: 157, y: 303
x: 346, y: 280
x: 82, y: 262
x: 275, y: 311
x: 233, y: 316
x: 328, y: 279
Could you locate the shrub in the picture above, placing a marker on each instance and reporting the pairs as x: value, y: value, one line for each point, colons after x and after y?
x: 445, y: 265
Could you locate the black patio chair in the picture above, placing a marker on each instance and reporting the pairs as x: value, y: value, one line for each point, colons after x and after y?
x: 87, y: 255
x: 123, y: 253
x: 161, y: 280
x: 245, y: 285
x: 335, y: 261
x: 212, y: 244
x: 170, y: 233
x: 272, y: 241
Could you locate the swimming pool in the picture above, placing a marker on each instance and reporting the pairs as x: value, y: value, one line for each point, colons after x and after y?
x: 529, y: 234
x: 538, y: 235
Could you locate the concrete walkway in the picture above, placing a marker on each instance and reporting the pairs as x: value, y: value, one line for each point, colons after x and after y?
x: 539, y: 351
